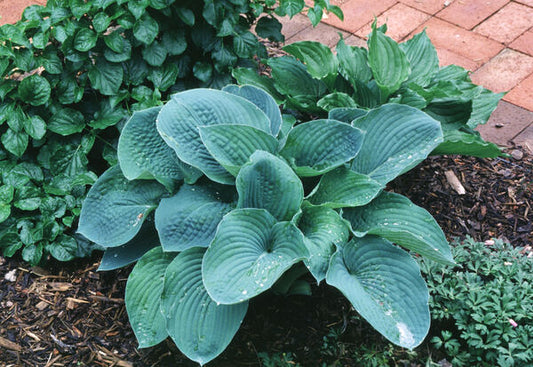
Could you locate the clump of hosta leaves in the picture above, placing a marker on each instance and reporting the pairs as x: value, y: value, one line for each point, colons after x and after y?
x: 220, y: 199
x: 72, y: 72
x: 315, y: 81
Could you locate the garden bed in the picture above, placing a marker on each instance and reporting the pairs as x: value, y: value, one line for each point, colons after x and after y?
x: 69, y: 314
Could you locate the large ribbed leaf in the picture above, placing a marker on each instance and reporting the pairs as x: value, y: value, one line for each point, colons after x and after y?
x: 249, y: 253
x: 397, y: 219
x: 261, y: 99
x: 452, y: 114
x: 142, y: 153
x: 343, y: 187
x: 200, y: 328
x: 422, y: 57
x: 190, y: 218
x: 346, y: 115
x: 269, y: 183
x: 336, y: 100
x: 397, y: 138
x: 232, y: 145
x: 133, y: 250
x: 461, y: 142
x: 353, y: 62
x: 323, y: 229
x: 384, y: 285
x: 252, y: 77
x: 292, y: 78
x: 318, y: 146
x: 143, y: 296
x: 179, y: 119
x: 115, y: 208
x: 317, y: 57
x: 388, y: 62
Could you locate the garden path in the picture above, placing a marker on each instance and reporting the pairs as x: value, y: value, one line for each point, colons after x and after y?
x: 491, y: 38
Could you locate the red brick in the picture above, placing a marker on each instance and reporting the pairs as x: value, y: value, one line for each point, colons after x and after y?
x: 401, y: 20
x: 427, y: 6
x: 357, y: 13
x: 291, y: 27
x: 524, y: 43
x: 447, y: 57
x: 525, y: 139
x: 504, y: 72
x: 525, y: 2
x: 323, y: 33
x: 522, y: 94
x: 468, y: 14
x: 460, y: 41
x: 508, y: 23
x: 355, y: 41
x: 11, y: 10
x: 506, y: 122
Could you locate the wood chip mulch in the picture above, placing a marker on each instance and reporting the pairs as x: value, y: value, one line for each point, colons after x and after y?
x: 71, y: 315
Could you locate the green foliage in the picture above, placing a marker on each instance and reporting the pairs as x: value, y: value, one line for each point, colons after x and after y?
x: 475, y: 306
x: 315, y: 81
x: 73, y: 71
x: 249, y: 204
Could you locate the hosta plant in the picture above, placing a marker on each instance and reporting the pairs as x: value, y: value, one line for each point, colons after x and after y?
x: 72, y: 72
x: 220, y: 198
x: 314, y: 80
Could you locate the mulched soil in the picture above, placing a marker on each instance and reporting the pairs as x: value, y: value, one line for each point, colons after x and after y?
x: 71, y: 315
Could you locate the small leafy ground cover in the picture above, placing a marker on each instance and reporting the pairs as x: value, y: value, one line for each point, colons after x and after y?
x: 76, y: 316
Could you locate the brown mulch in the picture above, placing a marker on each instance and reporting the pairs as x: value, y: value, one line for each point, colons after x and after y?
x: 71, y: 315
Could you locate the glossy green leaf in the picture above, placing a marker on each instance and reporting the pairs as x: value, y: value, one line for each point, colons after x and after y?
x: 115, y: 208
x: 131, y: 251
x: 85, y: 40
x: 269, y: 27
x: 143, y: 297
x: 190, y: 218
x: 261, y: 99
x: 323, y: 231
x: 396, y: 218
x: 34, y: 90
x: 318, y: 146
x: 143, y: 154
x: 174, y: 42
x: 200, y: 327
x: 317, y: 57
x: 106, y: 77
x: 343, y: 187
x: 66, y: 121
x: 146, y: 29
x: 15, y: 142
x: 384, y: 285
x: 249, y: 253
x: 233, y: 145
x: 267, y: 182
x: 397, y: 138
x: 179, y: 119
x: 245, y: 44
x: 388, y: 62
x: 452, y: 114
x: 422, y: 57
x: 155, y: 54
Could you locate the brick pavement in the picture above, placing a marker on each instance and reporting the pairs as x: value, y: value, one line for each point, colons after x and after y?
x: 491, y: 38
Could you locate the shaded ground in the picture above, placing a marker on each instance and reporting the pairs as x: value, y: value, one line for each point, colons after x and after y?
x: 70, y: 315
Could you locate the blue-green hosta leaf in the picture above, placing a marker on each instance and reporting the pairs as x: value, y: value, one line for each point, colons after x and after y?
x: 143, y: 154
x: 261, y: 99
x: 452, y: 114
x: 318, y: 146
x: 452, y: 72
x: 317, y: 57
x: 115, y: 208
x: 267, y: 182
x: 336, y: 100
x: 232, y: 145
x: 384, y: 285
x: 133, y: 250
x: 482, y: 107
x: 345, y: 114
x: 292, y: 78
x: 179, y: 119
x: 190, y: 218
x: 143, y: 297
x: 397, y: 219
x: 343, y: 187
x: 461, y: 142
x: 250, y: 251
x: 422, y: 57
x: 323, y: 230
x: 388, y: 62
x: 252, y: 77
x: 200, y: 328
x: 353, y: 62
x: 410, y: 98
x: 397, y: 138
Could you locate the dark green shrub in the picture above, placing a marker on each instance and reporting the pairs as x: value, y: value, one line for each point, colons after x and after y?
x: 314, y: 81
x: 73, y: 71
